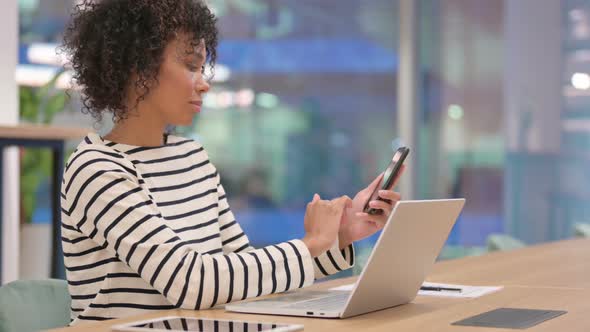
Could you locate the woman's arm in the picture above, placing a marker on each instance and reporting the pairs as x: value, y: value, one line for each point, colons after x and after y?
x: 107, y: 204
x: 234, y: 240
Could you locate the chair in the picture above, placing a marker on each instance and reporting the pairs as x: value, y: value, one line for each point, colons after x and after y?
x: 503, y: 242
x: 581, y: 230
x: 33, y: 305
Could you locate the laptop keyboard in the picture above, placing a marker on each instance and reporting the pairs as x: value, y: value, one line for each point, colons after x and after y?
x: 332, y: 302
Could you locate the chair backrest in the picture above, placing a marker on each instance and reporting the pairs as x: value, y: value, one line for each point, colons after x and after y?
x: 582, y: 230
x: 33, y: 305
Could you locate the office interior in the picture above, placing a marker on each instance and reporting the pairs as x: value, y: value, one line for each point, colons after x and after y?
x: 492, y: 96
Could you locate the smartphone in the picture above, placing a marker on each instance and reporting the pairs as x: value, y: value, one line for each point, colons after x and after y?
x: 390, y: 174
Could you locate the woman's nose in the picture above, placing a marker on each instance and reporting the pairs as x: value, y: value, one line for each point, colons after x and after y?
x: 202, y: 86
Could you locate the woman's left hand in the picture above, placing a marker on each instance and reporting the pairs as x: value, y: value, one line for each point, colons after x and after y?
x: 357, y: 224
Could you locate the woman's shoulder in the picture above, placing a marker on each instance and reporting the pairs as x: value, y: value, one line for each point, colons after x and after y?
x: 92, y: 146
x: 94, y: 152
x: 91, y: 153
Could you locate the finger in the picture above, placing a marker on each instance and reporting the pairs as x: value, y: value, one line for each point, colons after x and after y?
x: 342, y: 202
x: 375, y: 183
x: 383, y: 214
x: 316, y: 197
x: 347, y: 201
x: 381, y: 205
x: 379, y: 225
x: 390, y: 195
x: 341, y: 198
x: 378, y: 220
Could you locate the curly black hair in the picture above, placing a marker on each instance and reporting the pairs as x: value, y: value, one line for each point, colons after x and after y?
x: 107, y: 41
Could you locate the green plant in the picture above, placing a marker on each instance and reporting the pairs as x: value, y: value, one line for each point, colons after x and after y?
x: 37, y: 105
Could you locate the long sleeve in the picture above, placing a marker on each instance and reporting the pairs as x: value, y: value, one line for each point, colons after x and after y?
x: 234, y: 240
x: 107, y: 204
x: 333, y: 261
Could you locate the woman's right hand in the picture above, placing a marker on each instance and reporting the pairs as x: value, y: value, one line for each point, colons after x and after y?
x: 322, y: 222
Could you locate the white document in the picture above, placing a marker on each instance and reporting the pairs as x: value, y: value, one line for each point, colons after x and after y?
x: 466, y: 291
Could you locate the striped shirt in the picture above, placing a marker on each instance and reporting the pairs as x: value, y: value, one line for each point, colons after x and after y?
x: 150, y: 228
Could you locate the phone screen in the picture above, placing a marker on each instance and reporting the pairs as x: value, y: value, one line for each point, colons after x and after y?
x: 390, y: 174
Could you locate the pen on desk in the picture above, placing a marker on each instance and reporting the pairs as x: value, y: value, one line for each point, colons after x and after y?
x: 440, y: 289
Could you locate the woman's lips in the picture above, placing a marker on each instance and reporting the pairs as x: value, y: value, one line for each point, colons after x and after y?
x: 196, y: 105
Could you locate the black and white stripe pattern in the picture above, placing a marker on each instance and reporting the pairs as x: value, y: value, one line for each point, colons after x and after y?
x: 150, y: 229
x: 196, y: 324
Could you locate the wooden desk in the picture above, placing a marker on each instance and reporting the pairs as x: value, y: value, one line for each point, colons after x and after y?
x: 556, y: 264
x: 549, y: 288
x: 423, y: 314
x: 53, y: 138
x: 42, y: 132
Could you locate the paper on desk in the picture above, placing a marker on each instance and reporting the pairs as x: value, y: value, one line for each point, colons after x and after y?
x: 466, y: 291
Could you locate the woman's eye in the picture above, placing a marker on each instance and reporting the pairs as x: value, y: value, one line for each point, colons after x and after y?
x: 192, y: 68
x: 203, y: 69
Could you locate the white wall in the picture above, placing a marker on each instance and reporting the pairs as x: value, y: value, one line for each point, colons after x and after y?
x: 9, y: 116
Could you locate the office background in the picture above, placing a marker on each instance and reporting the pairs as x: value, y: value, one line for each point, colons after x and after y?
x: 306, y: 99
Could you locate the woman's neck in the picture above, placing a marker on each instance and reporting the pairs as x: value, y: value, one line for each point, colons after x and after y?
x: 136, y: 133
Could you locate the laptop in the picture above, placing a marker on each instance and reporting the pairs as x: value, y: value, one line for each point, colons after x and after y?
x: 400, y: 261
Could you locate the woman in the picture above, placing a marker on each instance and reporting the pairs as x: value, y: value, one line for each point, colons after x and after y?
x: 146, y: 223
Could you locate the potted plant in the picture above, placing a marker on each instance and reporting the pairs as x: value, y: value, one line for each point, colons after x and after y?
x: 38, y: 105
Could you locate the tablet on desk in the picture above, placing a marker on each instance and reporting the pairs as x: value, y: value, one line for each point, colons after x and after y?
x: 176, y: 323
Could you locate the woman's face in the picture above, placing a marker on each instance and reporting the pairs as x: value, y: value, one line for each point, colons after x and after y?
x: 178, y: 95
